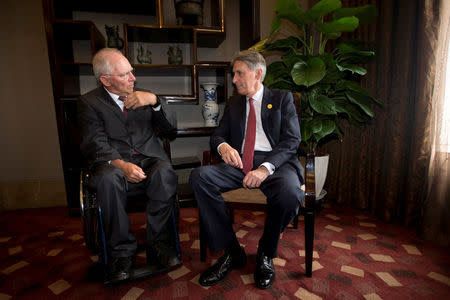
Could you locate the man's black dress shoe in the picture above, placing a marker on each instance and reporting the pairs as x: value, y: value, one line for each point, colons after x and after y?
x: 120, y: 268
x: 162, y: 255
x: 264, y: 272
x: 227, y: 262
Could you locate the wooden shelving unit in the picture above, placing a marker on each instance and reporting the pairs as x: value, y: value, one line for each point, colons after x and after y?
x: 74, y: 33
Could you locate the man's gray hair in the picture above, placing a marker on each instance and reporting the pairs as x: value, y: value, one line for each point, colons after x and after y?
x: 100, y: 62
x: 254, y: 61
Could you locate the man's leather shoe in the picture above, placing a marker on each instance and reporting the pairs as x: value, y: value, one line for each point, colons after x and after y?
x: 264, y: 272
x: 120, y: 268
x: 227, y: 262
x: 162, y: 255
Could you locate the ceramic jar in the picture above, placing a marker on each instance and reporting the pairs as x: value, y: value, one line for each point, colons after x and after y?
x: 210, y: 108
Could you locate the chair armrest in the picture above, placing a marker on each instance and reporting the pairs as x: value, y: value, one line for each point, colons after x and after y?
x: 210, y: 158
x: 206, y: 158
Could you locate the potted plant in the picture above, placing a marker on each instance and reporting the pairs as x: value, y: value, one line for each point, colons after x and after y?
x: 325, y: 75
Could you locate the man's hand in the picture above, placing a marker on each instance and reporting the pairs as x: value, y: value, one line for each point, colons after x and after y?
x: 230, y: 156
x: 254, y: 178
x: 140, y: 98
x: 132, y: 172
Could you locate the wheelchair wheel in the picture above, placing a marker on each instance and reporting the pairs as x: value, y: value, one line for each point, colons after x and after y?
x: 89, y: 216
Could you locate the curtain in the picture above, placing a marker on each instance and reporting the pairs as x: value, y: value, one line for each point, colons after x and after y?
x: 393, y: 167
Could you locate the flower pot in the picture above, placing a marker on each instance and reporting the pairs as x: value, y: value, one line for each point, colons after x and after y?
x: 320, y: 170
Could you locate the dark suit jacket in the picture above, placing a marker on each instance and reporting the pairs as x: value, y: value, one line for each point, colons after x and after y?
x: 279, y: 121
x: 106, y: 135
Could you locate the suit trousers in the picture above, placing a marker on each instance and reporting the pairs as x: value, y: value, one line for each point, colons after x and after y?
x: 282, y: 190
x: 113, y: 191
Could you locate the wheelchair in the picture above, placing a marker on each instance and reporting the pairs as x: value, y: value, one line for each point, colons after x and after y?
x: 94, y: 235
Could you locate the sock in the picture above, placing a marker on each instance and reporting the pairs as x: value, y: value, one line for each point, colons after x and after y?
x: 234, y: 247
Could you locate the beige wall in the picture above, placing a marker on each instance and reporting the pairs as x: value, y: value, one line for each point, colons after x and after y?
x: 31, y: 172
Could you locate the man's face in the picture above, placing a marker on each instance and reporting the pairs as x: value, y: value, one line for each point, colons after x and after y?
x: 247, y: 81
x: 121, y: 80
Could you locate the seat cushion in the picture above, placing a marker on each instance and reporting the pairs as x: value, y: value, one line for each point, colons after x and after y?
x: 243, y: 195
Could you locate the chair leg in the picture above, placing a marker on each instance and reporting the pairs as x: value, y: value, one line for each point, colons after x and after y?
x: 203, y: 241
x: 309, y: 241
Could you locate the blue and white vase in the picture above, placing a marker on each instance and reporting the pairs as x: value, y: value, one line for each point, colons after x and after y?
x: 210, y: 108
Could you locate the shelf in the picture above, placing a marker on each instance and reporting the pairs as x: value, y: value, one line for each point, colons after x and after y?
x: 64, y: 9
x: 76, y: 41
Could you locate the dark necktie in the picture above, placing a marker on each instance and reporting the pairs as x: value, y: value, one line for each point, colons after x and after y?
x: 125, y: 110
x: 249, y: 143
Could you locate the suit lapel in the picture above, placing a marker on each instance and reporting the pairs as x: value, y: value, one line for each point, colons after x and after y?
x: 242, y: 112
x: 265, y: 111
x: 109, y: 102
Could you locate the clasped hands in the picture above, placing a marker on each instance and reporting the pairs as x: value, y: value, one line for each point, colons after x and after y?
x: 252, y: 179
x: 139, y: 98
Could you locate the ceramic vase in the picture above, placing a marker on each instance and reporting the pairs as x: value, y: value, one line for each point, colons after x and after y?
x: 210, y: 108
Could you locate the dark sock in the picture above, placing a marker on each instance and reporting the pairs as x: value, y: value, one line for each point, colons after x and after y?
x: 234, y: 247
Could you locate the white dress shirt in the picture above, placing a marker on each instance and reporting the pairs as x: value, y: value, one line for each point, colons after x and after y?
x: 261, y: 141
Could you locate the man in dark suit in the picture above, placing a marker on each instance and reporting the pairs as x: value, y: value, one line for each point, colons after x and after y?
x: 120, y: 143
x: 265, y: 122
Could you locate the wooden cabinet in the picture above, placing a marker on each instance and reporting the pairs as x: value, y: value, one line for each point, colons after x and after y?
x: 76, y: 30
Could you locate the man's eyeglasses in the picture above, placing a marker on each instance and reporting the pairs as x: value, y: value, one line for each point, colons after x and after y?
x: 123, y: 75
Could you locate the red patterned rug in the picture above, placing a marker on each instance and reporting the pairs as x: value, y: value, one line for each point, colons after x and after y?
x: 43, y: 256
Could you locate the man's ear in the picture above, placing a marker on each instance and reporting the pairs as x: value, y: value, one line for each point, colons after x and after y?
x: 104, y: 80
x: 258, y: 74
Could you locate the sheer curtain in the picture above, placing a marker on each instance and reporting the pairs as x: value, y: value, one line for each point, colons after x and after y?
x: 436, y: 208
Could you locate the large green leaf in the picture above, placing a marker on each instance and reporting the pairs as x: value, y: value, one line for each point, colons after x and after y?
x: 366, y: 14
x: 352, y: 68
x: 275, y: 24
x: 308, y: 72
x: 323, y: 105
x: 362, y: 101
x: 290, y: 58
x: 276, y: 74
x: 322, y: 8
x: 305, y: 130
x: 343, y: 48
x: 333, y: 29
x: 316, y: 125
x: 290, y: 43
x: 259, y: 46
x: 344, y: 107
x: 291, y: 10
x: 328, y: 127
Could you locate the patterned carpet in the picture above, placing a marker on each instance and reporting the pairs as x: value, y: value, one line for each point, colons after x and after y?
x: 43, y: 256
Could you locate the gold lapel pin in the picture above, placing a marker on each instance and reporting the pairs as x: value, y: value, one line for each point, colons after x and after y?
x: 269, y: 106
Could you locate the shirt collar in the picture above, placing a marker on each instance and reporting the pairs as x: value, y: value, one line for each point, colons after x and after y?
x: 113, y: 96
x: 258, y: 95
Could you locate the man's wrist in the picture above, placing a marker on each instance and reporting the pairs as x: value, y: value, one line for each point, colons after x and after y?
x: 269, y: 167
x: 157, y: 103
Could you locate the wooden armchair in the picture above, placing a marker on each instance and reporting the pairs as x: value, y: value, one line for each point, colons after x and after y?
x: 256, y: 200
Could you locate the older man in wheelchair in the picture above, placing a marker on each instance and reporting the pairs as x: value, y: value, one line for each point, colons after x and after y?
x: 125, y: 158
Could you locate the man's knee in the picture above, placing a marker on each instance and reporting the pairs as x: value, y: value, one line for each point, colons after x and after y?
x: 197, y: 176
x: 164, y: 173
x: 107, y: 177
